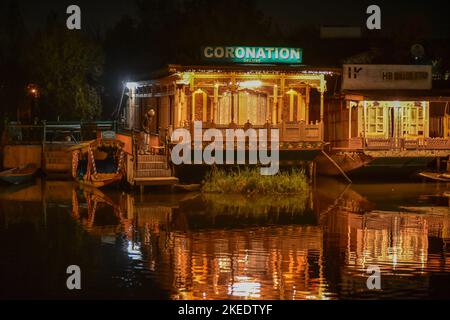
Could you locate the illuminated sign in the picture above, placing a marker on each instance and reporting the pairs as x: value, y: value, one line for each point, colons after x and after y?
x: 373, y: 76
x: 108, y: 135
x: 269, y: 55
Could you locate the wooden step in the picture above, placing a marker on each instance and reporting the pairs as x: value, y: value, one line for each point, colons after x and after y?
x: 58, y: 161
x: 151, y: 158
x: 157, y: 181
x: 58, y: 153
x: 151, y: 165
x: 153, y: 173
x: 55, y: 166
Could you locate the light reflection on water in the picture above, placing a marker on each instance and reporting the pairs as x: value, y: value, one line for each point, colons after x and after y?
x: 193, y: 246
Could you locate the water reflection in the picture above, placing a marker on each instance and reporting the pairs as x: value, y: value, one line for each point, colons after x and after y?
x: 194, y: 246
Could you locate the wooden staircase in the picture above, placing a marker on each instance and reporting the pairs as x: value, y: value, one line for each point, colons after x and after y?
x: 153, y: 170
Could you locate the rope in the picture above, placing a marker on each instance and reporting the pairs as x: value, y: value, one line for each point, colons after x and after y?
x: 91, y: 155
x: 75, y: 159
x: 119, y: 166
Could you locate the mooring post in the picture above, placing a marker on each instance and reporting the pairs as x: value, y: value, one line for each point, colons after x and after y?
x: 44, y: 139
x: 314, y: 173
x: 311, y: 172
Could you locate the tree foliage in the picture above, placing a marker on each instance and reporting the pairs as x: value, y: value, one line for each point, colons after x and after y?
x: 66, y: 66
x: 13, y: 37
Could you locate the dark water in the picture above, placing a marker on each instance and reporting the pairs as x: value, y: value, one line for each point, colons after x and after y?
x: 192, y: 246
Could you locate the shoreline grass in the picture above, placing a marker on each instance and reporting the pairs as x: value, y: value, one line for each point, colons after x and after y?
x: 250, y: 181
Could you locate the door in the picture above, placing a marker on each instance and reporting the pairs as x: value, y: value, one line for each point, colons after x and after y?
x: 395, y: 133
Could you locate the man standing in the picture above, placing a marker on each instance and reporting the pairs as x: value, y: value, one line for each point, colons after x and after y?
x: 146, y: 126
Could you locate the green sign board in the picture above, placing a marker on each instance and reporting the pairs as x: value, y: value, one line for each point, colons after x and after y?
x: 108, y: 135
x: 265, y: 55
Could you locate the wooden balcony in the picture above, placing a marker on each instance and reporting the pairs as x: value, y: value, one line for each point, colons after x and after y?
x: 301, y: 132
x: 288, y: 131
x: 437, y: 143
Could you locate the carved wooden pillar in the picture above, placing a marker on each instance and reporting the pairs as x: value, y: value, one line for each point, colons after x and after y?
x: 192, y: 106
x: 215, y: 102
x: 234, y: 97
x: 300, y: 108
x: 307, y: 95
x: 183, y: 106
x: 321, y: 106
x: 291, y: 106
x: 204, y: 106
x: 349, y: 120
x: 275, y: 102
x: 177, y: 107
x: 281, y: 99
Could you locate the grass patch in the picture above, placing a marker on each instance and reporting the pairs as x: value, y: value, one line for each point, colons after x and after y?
x: 261, y: 206
x: 250, y: 181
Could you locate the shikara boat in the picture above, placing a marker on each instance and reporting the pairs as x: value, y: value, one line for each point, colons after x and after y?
x: 98, y: 163
x: 437, y: 176
x: 187, y: 187
x: 19, y: 175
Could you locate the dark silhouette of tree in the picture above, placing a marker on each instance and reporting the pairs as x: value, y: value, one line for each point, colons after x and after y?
x: 13, y: 37
x: 66, y: 66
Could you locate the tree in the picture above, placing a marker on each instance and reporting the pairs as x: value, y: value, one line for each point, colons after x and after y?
x: 13, y: 37
x: 66, y: 66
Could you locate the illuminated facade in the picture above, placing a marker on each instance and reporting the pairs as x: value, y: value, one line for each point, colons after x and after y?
x: 389, y: 107
x: 240, y: 96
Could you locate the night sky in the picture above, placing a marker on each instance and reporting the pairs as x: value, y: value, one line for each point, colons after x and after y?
x: 288, y: 14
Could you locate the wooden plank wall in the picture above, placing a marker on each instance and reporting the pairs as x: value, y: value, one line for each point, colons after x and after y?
x: 20, y: 155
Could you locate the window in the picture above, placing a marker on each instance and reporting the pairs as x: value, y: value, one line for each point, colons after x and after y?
x: 413, y: 119
x: 248, y: 106
x: 224, y: 109
x: 252, y: 108
x: 375, y: 119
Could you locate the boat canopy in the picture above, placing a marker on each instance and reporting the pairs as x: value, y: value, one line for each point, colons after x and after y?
x: 97, y: 143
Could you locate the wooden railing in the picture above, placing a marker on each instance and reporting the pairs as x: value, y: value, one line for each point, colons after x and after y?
x: 379, y: 143
x: 437, y: 143
x: 17, y: 133
x: 24, y: 134
x: 301, y: 131
x: 197, y: 135
x: 288, y: 131
x: 399, y: 144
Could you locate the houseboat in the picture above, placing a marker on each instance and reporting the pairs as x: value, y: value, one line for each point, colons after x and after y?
x: 244, y: 88
x: 387, y: 120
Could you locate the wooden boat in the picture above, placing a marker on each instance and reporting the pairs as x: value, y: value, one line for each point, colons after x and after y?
x: 98, y: 163
x: 346, y: 162
x: 437, y: 176
x: 428, y: 210
x: 187, y: 187
x: 19, y: 175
